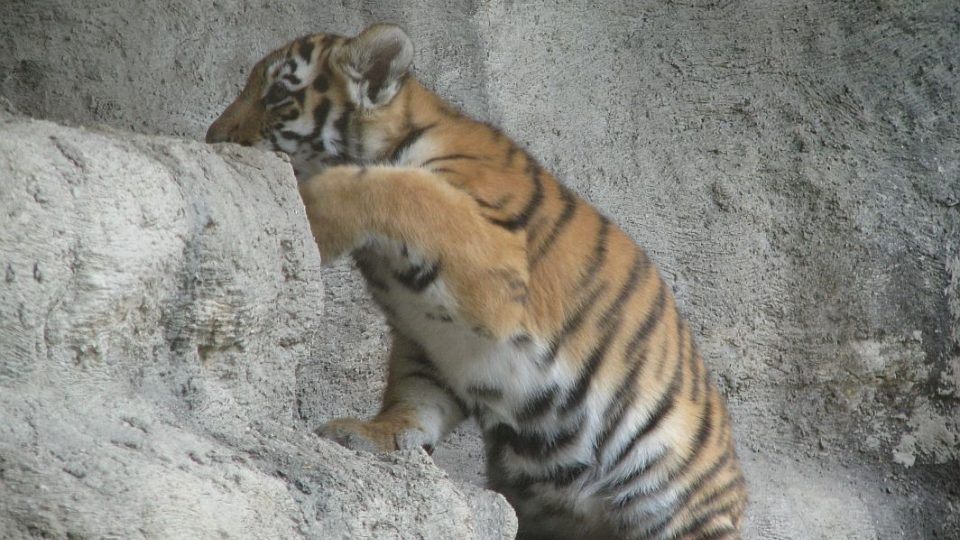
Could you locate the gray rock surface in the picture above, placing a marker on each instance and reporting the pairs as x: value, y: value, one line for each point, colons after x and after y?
x: 158, y: 301
x: 792, y: 166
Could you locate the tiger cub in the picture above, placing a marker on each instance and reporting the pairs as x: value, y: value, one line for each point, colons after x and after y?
x: 509, y: 299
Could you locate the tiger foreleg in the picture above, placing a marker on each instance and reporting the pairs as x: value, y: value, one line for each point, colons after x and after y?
x: 418, y: 408
x: 483, y: 266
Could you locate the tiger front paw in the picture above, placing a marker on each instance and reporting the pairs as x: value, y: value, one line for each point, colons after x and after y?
x: 375, y: 435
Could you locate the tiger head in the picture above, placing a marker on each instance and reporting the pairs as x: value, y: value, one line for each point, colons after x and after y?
x: 312, y: 98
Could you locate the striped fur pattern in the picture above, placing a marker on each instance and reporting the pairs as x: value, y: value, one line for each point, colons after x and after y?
x: 510, y: 299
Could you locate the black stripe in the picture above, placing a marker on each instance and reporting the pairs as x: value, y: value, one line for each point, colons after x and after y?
x: 638, y: 472
x: 343, y: 123
x: 701, y: 520
x: 320, y: 114
x: 651, y: 320
x: 572, y: 324
x: 366, y: 270
x: 418, y: 278
x: 569, y: 207
x: 663, y: 361
x: 578, y: 392
x: 461, y: 405
x: 373, y: 86
x: 613, y: 314
x: 289, y: 115
x: 495, y: 440
x: 485, y: 392
x: 533, y: 231
x: 623, y: 398
x: 342, y: 126
x: 520, y: 220
x: 512, y: 149
x: 567, y: 474
x: 409, y: 140
x: 299, y: 95
x: 496, y: 205
x: 681, y: 342
x: 306, y: 49
x: 443, y: 317
x: 599, y: 254
x: 517, y: 287
x: 321, y: 83
x: 543, y: 445
x: 703, y: 432
x: 499, y: 435
x: 691, y: 489
x: 725, y: 489
x: 708, y: 475
x: 661, y: 409
x: 292, y: 135
x: 558, y: 476
x: 612, y: 320
x: 495, y: 132
x: 423, y: 361
x: 444, y: 158
x: 697, y: 368
x: 616, y: 410
x: 521, y: 340
x: 538, y: 405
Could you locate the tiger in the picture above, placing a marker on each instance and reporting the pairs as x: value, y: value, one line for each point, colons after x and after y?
x: 508, y: 299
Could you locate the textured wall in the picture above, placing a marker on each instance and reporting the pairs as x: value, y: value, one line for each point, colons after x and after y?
x: 792, y: 167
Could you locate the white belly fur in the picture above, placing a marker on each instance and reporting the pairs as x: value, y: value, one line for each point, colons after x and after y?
x: 464, y: 358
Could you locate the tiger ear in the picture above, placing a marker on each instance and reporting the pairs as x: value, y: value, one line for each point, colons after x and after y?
x: 376, y: 62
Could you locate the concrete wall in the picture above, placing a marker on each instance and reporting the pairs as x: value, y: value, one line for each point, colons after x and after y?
x: 793, y: 168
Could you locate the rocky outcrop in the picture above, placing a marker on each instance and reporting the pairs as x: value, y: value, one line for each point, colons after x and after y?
x: 158, y: 299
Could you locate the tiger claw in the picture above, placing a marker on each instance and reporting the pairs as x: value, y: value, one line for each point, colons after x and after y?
x: 374, y: 436
x: 414, y: 438
x: 356, y: 435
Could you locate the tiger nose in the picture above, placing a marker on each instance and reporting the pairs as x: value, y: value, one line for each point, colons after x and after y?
x: 217, y: 132
x: 227, y: 126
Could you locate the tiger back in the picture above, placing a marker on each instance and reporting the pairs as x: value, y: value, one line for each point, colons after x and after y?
x: 508, y: 297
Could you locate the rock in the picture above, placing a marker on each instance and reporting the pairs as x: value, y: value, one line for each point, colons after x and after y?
x: 158, y: 299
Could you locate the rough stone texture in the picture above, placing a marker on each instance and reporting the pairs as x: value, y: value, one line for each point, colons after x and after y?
x: 158, y: 300
x: 792, y: 166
